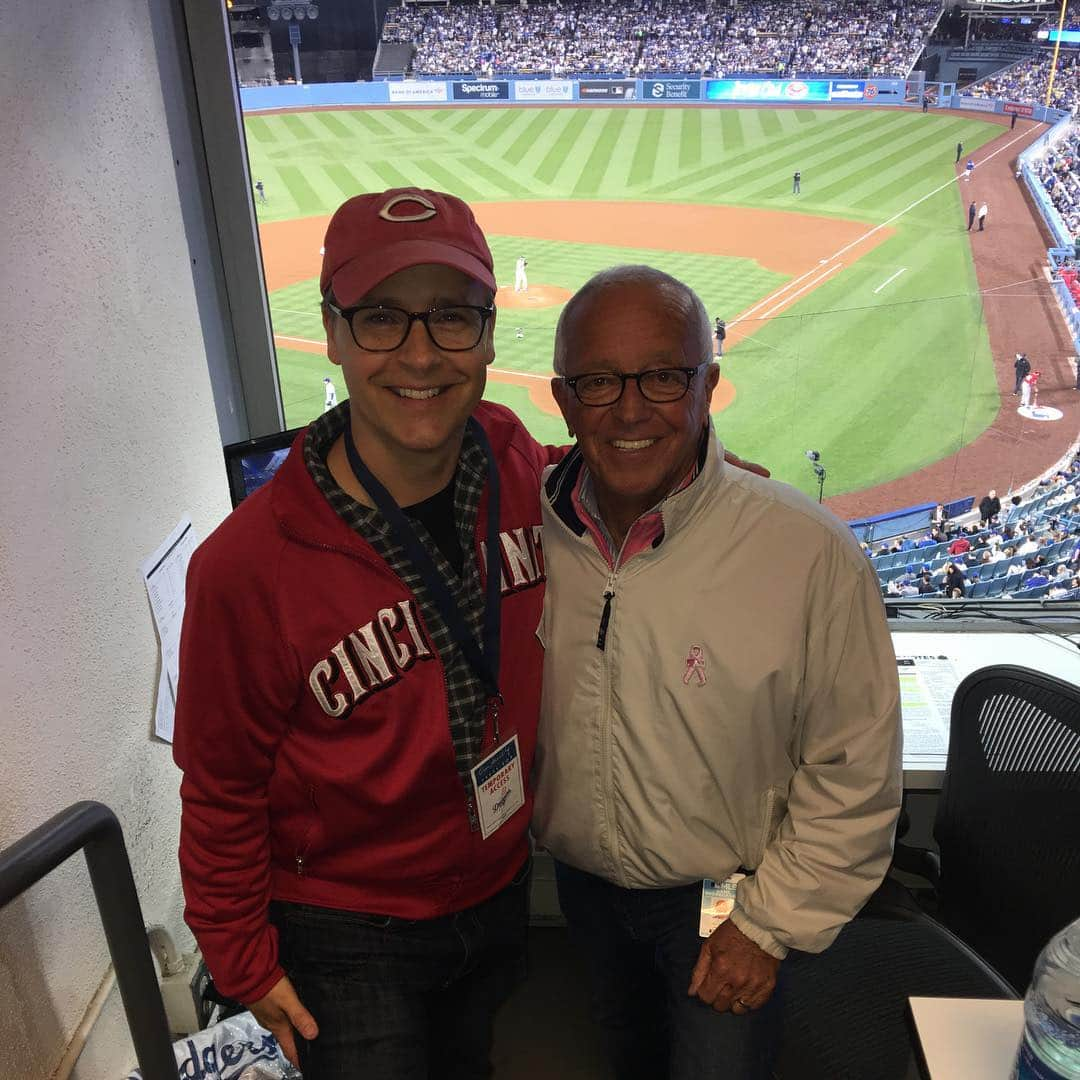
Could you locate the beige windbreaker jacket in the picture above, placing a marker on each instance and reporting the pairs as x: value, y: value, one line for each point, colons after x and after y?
x: 776, y: 747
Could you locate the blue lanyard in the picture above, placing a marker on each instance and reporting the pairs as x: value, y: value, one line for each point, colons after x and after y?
x: 484, y: 663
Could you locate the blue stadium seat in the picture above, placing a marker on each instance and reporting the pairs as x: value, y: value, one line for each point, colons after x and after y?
x: 980, y: 588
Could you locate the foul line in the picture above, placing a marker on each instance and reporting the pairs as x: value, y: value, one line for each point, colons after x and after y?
x: 893, y: 278
x: 866, y: 235
x: 809, y: 285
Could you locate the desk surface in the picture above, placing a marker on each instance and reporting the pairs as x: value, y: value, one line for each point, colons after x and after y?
x: 968, y: 1037
x: 968, y: 650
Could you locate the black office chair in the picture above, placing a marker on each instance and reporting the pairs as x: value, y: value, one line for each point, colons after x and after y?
x: 1008, y: 821
x: 845, y: 1012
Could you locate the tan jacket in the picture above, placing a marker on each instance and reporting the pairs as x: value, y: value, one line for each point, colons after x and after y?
x: 785, y: 759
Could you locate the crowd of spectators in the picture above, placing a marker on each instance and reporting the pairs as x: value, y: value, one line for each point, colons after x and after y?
x: 1035, y: 553
x: 1059, y: 172
x: 1028, y: 80
x: 635, y: 37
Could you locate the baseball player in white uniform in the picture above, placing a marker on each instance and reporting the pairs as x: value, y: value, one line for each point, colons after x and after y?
x: 331, y: 394
x: 521, y: 281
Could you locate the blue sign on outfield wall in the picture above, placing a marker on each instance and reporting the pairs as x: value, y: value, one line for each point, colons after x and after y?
x: 481, y: 91
x: 848, y: 90
x: 672, y: 89
x: 788, y: 91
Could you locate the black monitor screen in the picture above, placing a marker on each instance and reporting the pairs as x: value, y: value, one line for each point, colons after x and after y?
x: 249, y: 464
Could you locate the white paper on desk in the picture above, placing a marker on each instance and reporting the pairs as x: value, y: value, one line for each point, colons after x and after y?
x: 927, y: 686
x: 165, y: 574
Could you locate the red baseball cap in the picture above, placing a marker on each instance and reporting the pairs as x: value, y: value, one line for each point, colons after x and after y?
x: 373, y: 236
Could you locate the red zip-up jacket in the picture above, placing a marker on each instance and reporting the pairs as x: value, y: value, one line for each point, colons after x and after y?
x: 312, y: 723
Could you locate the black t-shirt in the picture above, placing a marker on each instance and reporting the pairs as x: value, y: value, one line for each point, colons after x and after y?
x: 436, y: 514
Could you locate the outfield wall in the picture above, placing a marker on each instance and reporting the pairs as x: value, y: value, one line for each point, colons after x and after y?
x: 820, y: 91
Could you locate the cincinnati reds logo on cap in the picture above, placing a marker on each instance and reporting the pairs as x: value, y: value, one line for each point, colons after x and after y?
x: 423, y: 215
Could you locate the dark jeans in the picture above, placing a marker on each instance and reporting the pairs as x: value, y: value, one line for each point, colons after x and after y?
x: 397, y: 999
x: 641, y: 946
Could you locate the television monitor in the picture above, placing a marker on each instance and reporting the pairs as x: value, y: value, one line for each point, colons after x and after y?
x: 249, y: 464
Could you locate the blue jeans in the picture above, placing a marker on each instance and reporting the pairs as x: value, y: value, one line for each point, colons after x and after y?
x: 641, y: 946
x: 398, y: 999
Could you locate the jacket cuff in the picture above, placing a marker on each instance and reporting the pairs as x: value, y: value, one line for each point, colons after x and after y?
x: 259, y: 989
x: 759, y: 936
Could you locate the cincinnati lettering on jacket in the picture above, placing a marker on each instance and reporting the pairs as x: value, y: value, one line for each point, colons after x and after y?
x: 375, y: 655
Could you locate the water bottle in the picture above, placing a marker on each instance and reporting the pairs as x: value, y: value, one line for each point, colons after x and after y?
x: 1050, y: 1049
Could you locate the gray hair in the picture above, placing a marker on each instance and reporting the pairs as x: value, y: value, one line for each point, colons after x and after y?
x: 695, y: 316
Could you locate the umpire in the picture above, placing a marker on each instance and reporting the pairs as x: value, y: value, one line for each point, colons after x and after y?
x: 1022, y: 367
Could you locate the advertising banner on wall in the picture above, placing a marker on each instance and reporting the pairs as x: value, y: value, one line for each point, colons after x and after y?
x: 671, y: 90
x: 417, y: 90
x: 1019, y: 109
x: 848, y: 90
x: 481, y: 91
x: 885, y: 90
x: 617, y: 89
x: 789, y: 91
x: 543, y: 90
x: 974, y: 104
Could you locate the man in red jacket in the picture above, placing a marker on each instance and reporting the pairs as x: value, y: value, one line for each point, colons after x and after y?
x: 360, y: 679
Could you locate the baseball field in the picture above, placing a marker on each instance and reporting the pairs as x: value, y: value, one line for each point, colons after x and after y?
x: 857, y: 327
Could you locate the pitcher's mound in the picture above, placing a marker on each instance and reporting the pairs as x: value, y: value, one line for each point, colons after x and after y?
x: 536, y: 296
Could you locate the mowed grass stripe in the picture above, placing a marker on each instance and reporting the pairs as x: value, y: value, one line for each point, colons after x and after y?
x: 805, y: 117
x: 731, y: 129
x: 391, y: 175
x: 498, y: 179
x: 346, y: 180
x: 592, y: 172
x: 332, y: 124
x: 376, y: 125
x: 296, y: 182
x: 754, y: 171
x: 562, y: 150
x: 643, y: 160
x: 298, y: 127
x: 260, y: 129
x: 844, y: 189
x: 769, y: 123
x: 539, y: 121
x: 410, y: 122
x: 689, y: 138
x: 468, y: 119
x: 816, y: 156
x: 503, y: 121
x: 447, y: 180
x: 726, y: 163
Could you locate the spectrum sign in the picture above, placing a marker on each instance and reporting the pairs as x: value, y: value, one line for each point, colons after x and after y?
x: 789, y: 91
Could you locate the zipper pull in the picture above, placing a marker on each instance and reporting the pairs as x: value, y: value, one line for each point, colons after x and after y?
x: 299, y: 865
x: 605, y: 617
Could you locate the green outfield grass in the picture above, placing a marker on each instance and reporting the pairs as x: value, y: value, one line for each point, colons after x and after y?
x: 881, y: 382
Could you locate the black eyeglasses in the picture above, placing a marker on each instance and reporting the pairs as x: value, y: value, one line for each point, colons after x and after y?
x: 377, y: 328
x: 659, y: 385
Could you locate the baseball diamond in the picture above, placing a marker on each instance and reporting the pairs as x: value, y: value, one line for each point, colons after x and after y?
x: 864, y: 320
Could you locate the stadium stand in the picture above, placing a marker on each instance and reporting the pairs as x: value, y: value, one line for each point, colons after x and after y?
x: 1059, y: 172
x: 1030, y: 551
x: 641, y: 37
x: 1028, y: 79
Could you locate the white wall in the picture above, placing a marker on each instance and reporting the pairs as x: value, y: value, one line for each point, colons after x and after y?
x: 107, y: 435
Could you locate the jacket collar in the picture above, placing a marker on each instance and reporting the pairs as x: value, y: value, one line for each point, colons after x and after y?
x: 675, y: 508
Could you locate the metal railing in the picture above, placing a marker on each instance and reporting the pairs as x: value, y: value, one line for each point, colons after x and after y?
x: 93, y: 828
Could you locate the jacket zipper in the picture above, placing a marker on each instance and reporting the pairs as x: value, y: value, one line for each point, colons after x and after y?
x: 605, y: 616
x: 305, y: 847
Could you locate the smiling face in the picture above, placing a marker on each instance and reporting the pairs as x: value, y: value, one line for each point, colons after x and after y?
x: 409, y: 406
x: 637, y: 451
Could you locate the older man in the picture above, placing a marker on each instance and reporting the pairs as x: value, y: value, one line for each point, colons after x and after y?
x: 699, y: 723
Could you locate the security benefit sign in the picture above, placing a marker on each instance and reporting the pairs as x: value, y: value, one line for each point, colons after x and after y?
x: 481, y: 91
x: 671, y: 90
x: 617, y: 89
